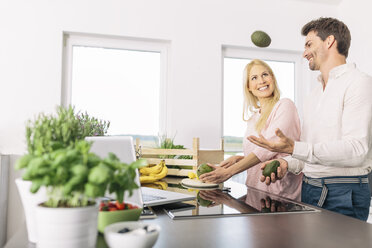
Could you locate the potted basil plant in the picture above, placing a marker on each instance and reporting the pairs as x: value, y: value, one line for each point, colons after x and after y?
x: 74, y: 178
x: 44, y: 135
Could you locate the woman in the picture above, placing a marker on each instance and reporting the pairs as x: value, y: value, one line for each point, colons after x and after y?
x: 266, y: 112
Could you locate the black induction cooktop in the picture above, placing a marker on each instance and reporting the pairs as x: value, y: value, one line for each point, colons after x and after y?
x: 222, y: 203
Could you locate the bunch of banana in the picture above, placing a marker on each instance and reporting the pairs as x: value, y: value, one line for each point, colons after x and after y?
x: 156, y: 185
x: 154, y: 173
x: 152, y: 169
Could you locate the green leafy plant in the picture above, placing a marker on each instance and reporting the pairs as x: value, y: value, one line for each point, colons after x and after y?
x: 91, y: 126
x: 74, y: 177
x: 167, y: 143
x: 59, y: 159
x: 49, y: 132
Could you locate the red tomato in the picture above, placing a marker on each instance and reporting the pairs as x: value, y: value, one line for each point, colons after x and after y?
x: 120, y: 206
x: 112, y: 209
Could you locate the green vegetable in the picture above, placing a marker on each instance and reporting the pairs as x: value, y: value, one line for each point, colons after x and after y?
x: 271, y: 168
x: 260, y: 39
x: 203, y: 168
x: 266, y: 210
x: 167, y: 143
x: 203, y: 202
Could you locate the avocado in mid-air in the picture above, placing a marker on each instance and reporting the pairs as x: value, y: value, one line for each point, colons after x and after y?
x: 260, y: 38
x: 270, y: 168
x: 203, y: 168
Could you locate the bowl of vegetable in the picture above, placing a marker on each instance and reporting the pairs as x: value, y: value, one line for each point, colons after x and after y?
x: 113, y: 211
x: 133, y: 234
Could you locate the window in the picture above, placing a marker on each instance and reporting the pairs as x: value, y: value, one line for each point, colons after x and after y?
x: 285, y: 68
x: 117, y: 79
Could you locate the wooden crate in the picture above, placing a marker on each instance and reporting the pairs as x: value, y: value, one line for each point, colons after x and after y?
x: 152, y: 155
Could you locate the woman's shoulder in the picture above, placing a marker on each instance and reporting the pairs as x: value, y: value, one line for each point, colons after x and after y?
x: 285, y: 103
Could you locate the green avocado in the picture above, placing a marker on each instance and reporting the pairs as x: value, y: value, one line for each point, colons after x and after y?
x: 270, y: 168
x: 260, y: 39
x: 202, y: 202
x: 203, y: 168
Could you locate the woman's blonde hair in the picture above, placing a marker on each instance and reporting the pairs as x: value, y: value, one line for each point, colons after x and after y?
x: 251, y: 102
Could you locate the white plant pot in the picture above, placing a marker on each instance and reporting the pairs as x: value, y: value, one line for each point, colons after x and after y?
x: 66, y: 227
x: 29, y: 202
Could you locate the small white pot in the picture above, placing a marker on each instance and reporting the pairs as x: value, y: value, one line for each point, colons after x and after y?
x: 29, y: 202
x: 66, y: 227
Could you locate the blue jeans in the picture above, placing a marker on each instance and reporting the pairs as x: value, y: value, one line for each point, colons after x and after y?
x: 351, y: 199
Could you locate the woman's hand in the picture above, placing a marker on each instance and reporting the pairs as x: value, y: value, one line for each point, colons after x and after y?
x: 216, y: 196
x: 230, y: 161
x: 218, y: 175
x: 280, y: 173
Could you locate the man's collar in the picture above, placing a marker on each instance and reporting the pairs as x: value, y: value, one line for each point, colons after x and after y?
x: 337, y: 71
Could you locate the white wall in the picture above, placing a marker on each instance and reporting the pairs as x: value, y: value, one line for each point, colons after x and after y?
x: 31, y: 51
x: 357, y: 16
x: 15, y: 212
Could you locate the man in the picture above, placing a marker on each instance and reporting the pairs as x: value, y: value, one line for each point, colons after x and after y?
x: 334, y: 151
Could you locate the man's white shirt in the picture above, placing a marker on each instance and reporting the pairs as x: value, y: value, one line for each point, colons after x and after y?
x: 337, y: 127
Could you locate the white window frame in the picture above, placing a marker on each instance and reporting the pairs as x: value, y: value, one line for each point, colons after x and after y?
x: 71, y: 39
x: 239, y: 52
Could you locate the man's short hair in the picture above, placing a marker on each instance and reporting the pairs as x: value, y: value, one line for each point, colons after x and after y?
x: 326, y: 26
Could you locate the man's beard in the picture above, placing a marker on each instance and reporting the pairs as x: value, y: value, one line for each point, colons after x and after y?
x: 313, y: 66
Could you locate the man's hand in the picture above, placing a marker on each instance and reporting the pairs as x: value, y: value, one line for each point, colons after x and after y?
x: 283, y: 145
x: 281, y: 171
x: 218, y: 175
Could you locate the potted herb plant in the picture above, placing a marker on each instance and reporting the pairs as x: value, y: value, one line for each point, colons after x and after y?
x: 44, y: 135
x: 74, y: 178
